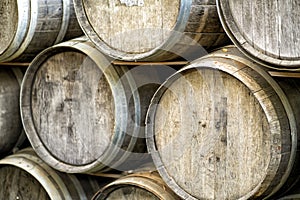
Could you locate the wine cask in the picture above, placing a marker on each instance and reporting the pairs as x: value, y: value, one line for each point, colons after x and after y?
x: 10, y: 120
x: 84, y: 115
x: 151, y: 30
x: 223, y: 128
x: 137, y: 186
x: 28, y: 27
x: 26, y: 176
x: 266, y: 31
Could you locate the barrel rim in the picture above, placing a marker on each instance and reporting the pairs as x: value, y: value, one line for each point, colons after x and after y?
x: 66, y: 6
x: 45, y: 175
x: 173, y: 38
x: 26, y: 111
x: 150, y: 135
x: 20, y: 32
x: 248, y: 49
x: 29, y: 32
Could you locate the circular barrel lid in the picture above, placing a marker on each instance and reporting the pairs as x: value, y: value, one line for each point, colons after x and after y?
x: 266, y: 31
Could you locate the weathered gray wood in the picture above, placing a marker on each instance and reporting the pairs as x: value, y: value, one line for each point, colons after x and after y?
x: 133, y: 193
x: 65, y: 105
x: 31, y: 26
x: 135, y: 187
x: 145, y: 30
x: 18, y: 184
x: 222, y: 128
x: 26, y: 176
x: 10, y: 120
x: 81, y: 114
x: 266, y: 31
x: 292, y: 90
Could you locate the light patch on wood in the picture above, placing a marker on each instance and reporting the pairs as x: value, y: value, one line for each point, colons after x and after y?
x: 8, y: 22
x: 133, y: 2
x: 212, y: 135
x: 73, y: 108
x: 132, y: 29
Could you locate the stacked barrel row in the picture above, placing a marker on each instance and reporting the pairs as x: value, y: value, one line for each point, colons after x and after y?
x: 107, y: 102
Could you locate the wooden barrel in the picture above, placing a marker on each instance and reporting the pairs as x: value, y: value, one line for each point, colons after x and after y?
x: 82, y: 114
x: 28, y: 27
x: 223, y: 128
x: 266, y: 31
x: 26, y: 176
x: 151, y: 30
x: 137, y: 186
x: 10, y: 120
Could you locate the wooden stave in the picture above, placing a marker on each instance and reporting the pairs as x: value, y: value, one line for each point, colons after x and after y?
x: 172, y: 48
x: 26, y: 43
x: 290, y: 175
x: 149, y: 181
x: 113, y: 156
x: 291, y: 89
x: 11, y: 141
x: 58, y: 185
x: 247, y: 48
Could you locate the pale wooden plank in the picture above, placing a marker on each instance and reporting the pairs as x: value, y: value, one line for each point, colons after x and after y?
x: 289, y: 17
x: 272, y: 26
x: 258, y: 28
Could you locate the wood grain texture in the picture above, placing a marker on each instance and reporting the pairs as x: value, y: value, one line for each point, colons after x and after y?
x: 8, y: 22
x: 150, y: 30
x: 26, y: 176
x: 116, y: 23
x: 67, y: 102
x: 292, y: 90
x: 84, y: 115
x: 30, y: 27
x: 221, y: 128
x: 129, y: 192
x: 267, y: 31
x: 18, y: 184
x: 137, y: 186
x: 10, y: 120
